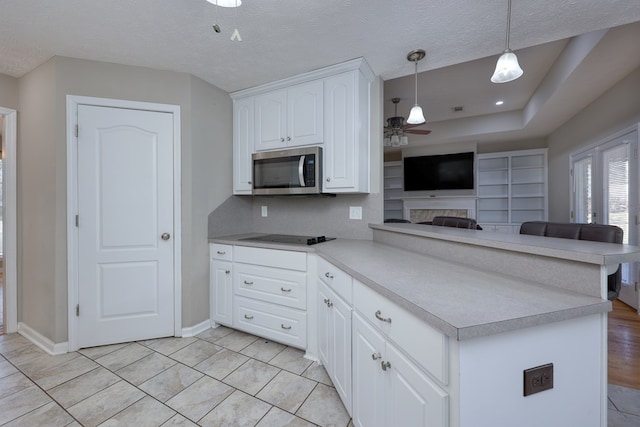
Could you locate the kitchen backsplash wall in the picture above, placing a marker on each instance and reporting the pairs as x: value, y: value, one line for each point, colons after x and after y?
x: 318, y: 216
x: 234, y: 216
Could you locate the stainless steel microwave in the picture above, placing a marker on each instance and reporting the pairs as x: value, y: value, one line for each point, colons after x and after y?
x: 296, y: 171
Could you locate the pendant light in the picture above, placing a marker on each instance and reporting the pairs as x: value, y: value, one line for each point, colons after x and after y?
x: 226, y: 3
x: 507, y: 68
x: 416, y: 117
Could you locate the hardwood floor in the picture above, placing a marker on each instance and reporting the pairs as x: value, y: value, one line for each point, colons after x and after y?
x: 624, y: 346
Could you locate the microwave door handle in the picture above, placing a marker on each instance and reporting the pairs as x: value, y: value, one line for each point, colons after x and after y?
x: 301, y: 171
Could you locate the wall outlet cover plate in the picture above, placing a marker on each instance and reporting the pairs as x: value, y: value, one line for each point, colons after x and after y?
x: 538, y: 379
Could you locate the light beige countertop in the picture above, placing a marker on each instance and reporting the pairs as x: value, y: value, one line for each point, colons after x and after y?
x: 461, y: 301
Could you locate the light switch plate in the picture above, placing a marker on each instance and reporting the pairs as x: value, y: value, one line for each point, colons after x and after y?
x: 264, y: 211
x: 355, y: 212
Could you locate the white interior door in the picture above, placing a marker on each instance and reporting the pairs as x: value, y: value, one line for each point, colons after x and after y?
x: 125, y: 225
x: 606, y: 192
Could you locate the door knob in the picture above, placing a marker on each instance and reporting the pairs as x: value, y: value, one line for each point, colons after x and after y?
x: 165, y: 236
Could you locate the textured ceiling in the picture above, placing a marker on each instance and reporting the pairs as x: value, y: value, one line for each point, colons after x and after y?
x: 282, y: 38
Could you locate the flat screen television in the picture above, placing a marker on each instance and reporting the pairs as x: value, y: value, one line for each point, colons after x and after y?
x: 440, y: 172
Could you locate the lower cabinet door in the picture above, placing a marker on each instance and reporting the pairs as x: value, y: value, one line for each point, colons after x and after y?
x: 334, y: 340
x: 221, y: 292
x: 368, y: 377
x: 413, y: 400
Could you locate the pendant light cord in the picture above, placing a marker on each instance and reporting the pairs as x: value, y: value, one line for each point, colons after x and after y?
x: 416, y: 85
x: 508, y: 21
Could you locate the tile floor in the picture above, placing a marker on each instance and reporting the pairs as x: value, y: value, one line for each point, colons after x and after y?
x: 221, y: 377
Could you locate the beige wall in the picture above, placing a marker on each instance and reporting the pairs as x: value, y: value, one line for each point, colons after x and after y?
x: 42, y: 174
x: 8, y: 92
x: 615, y: 110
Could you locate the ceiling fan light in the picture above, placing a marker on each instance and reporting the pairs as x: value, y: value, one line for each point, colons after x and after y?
x: 395, y: 140
x: 226, y: 3
x: 416, y: 117
x: 387, y: 141
x: 507, y: 68
x: 404, y: 140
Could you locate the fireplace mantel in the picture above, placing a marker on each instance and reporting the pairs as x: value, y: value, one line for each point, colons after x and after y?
x: 424, y: 209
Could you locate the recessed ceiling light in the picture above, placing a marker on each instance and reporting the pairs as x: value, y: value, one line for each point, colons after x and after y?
x: 226, y: 3
x: 499, y: 102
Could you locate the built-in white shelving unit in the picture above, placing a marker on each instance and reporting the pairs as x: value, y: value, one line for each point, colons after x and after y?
x: 393, y: 190
x: 512, y: 188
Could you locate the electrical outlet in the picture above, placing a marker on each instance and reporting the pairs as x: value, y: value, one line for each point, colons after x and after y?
x: 264, y: 211
x: 355, y: 212
x: 538, y: 379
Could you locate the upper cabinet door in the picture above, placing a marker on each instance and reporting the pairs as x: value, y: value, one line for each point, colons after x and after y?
x: 305, y: 114
x: 243, y: 136
x: 346, y: 133
x: 289, y: 118
x: 271, y: 120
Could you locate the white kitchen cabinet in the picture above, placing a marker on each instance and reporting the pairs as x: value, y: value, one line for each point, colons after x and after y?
x: 512, y: 188
x: 289, y: 117
x: 388, y: 388
x: 334, y: 340
x: 346, y: 121
x: 221, y: 283
x: 243, y: 139
x: 269, y: 295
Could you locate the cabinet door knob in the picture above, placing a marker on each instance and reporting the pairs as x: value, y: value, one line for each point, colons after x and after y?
x: 165, y: 236
x: 246, y: 282
x: 285, y: 327
x: 227, y: 271
x: 285, y: 290
x: 329, y: 304
x: 382, y: 319
x: 328, y: 275
x: 376, y: 356
x: 288, y: 138
x: 249, y: 182
x: 328, y: 179
x: 281, y: 139
x: 246, y: 316
x: 385, y: 365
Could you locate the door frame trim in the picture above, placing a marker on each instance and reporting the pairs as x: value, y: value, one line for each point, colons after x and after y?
x: 10, y: 219
x: 73, y: 102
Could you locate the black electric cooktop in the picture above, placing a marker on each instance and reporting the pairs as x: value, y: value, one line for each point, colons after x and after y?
x: 289, y: 239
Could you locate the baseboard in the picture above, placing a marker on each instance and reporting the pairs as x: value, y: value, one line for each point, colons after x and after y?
x: 196, y: 329
x: 41, y: 341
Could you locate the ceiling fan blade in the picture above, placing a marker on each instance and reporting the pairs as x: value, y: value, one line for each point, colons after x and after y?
x: 412, y: 126
x: 418, y: 131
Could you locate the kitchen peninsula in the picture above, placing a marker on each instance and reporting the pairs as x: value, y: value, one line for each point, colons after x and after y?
x: 437, y: 326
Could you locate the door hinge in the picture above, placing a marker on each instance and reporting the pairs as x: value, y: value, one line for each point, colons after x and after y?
x: 77, y: 220
x: 571, y: 216
x: 76, y: 131
x: 77, y: 309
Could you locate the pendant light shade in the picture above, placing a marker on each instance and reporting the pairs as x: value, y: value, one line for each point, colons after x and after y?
x: 416, y: 116
x: 226, y: 3
x: 507, y: 68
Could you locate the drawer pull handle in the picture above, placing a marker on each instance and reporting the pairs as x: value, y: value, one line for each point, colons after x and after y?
x: 376, y: 356
x: 246, y: 282
x: 328, y: 275
x: 246, y: 316
x: 227, y: 271
x: 329, y: 304
x: 285, y: 327
x: 382, y: 319
x: 285, y: 290
x: 385, y: 365
x: 221, y: 252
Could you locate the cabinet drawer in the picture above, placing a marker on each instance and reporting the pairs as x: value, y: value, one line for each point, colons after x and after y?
x: 290, y: 260
x: 283, y: 287
x: 423, y: 343
x: 221, y: 252
x: 281, y: 324
x: 336, y: 279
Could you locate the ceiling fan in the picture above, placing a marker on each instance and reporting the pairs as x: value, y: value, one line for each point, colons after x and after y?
x: 394, y: 132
